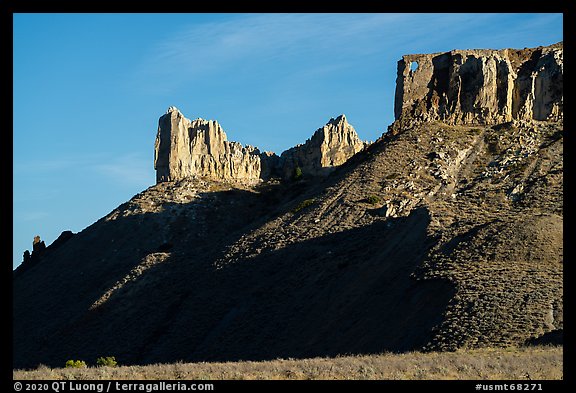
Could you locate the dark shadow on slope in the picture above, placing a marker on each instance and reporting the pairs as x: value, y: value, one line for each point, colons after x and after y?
x: 346, y: 293
x: 52, y: 318
x: 349, y: 292
x: 58, y: 290
x: 448, y: 247
x: 555, y: 337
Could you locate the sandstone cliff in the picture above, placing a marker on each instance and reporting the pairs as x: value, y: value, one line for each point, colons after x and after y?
x: 481, y: 86
x: 329, y: 147
x: 186, y: 148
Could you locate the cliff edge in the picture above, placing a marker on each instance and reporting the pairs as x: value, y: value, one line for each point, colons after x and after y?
x: 481, y: 86
x: 187, y: 148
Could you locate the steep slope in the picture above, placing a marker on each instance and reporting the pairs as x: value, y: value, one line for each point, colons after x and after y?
x: 200, y: 271
x: 154, y: 287
x: 436, y: 236
x: 494, y: 227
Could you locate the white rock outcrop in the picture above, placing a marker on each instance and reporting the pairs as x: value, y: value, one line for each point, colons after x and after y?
x: 199, y: 148
x: 186, y: 148
x: 329, y: 147
x: 481, y: 86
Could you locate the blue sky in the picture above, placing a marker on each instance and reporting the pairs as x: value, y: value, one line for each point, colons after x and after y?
x: 89, y: 88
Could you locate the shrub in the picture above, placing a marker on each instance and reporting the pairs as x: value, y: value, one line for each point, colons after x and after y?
x: 297, y: 173
x: 75, y: 364
x: 108, y: 361
x: 304, y: 204
x: 494, y: 147
x: 373, y: 199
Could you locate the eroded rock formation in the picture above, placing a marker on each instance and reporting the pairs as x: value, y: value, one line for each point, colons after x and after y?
x: 39, y: 250
x: 481, y: 86
x: 329, y: 147
x: 186, y: 148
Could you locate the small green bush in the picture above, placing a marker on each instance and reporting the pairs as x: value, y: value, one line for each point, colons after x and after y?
x: 373, y: 200
x: 108, y: 361
x: 75, y: 364
x: 304, y: 204
x: 297, y: 173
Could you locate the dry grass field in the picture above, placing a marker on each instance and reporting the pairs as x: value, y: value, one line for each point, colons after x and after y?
x: 536, y: 363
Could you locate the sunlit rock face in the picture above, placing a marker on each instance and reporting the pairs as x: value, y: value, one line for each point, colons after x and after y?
x: 329, y: 147
x: 481, y: 86
x: 199, y: 148
x: 186, y: 148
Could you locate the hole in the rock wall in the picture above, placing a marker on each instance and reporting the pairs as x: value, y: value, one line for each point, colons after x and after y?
x: 413, y: 66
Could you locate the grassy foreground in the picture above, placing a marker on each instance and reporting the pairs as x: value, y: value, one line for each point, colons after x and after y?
x: 535, y: 363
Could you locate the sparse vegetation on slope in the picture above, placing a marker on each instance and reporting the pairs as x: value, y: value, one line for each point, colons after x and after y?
x: 108, y: 361
x: 304, y: 204
x: 373, y: 200
x: 75, y: 364
x: 536, y: 363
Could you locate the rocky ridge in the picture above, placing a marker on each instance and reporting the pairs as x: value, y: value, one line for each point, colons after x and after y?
x: 199, y: 148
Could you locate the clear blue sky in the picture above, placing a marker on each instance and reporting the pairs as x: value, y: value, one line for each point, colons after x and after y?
x: 89, y: 88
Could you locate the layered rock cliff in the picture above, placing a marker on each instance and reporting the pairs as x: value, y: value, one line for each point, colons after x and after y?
x: 329, y: 147
x: 481, y: 86
x: 187, y: 148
